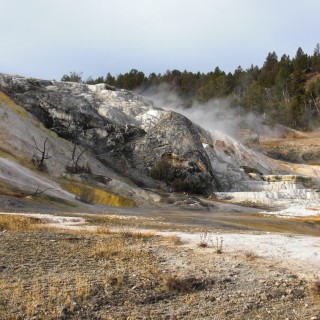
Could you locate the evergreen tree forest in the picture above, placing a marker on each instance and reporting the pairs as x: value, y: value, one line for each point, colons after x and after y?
x: 283, y: 90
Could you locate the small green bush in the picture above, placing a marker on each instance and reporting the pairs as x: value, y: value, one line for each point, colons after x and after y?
x: 162, y: 170
x: 165, y: 171
x: 187, y: 186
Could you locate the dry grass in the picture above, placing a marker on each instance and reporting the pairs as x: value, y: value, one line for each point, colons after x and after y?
x: 130, y: 221
x: 304, y: 225
x: 126, y: 275
x: 132, y: 262
x: 18, y: 223
x: 50, y: 297
x: 175, y: 283
x: 137, y: 234
x: 112, y: 248
x: 108, y: 220
x: 174, y: 240
x: 182, y: 284
x: 316, y: 286
x: 125, y: 244
x: 124, y: 261
x: 219, y: 245
x: 251, y: 256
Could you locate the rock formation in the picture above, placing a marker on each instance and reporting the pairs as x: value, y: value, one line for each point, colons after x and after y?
x: 120, y: 129
x: 120, y: 142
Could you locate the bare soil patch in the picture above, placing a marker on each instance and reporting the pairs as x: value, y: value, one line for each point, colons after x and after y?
x: 304, y: 148
x: 53, y: 274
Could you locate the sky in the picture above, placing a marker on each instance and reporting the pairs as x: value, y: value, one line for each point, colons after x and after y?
x: 46, y: 39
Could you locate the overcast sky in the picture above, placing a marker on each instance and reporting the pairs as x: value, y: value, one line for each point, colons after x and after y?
x: 46, y: 38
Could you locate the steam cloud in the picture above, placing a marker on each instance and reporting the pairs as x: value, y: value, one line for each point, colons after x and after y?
x: 216, y: 114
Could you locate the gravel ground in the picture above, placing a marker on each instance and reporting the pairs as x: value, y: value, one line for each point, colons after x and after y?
x: 54, y: 274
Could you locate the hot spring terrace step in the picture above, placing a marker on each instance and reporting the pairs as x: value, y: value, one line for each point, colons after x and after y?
x: 264, y: 195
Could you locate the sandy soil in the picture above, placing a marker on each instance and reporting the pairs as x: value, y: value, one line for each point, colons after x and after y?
x: 47, y: 273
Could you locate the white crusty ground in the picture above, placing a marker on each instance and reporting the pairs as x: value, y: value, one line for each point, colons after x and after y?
x: 298, y: 253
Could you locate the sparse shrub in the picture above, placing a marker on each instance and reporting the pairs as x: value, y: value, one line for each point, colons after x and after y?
x: 219, y: 245
x: 175, y: 283
x: 41, y: 166
x: 162, y: 170
x: 38, y: 160
x: 205, y: 239
x: 316, y: 286
x: 183, y: 285
x: 250, y: 255
x: 137, y: 235
x: 77, y: 168
x: 116, y: 281
x: 180, y: 185
x: 213, y: 197
x: 86, y: 195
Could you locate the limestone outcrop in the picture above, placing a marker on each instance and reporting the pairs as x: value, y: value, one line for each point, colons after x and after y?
x: 122, y: 130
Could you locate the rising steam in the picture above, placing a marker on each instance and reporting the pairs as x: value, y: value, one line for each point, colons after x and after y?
x: 216, y: 114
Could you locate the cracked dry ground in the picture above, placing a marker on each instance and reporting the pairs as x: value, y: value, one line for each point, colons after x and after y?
x: 52, y: 274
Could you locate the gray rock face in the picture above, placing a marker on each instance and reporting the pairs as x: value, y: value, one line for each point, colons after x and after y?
x: 122, y: 130
x: 177, y: 139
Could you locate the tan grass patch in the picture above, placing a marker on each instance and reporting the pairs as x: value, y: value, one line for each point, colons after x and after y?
x: 315, y: 289
x: 49, y: 297
x: 129, y: 222
x: 174, y: 240
x: 137, y: 234
x: 316, y: 286
x: 18, y: 223
x: 124, y: 265
x: 251, y: 256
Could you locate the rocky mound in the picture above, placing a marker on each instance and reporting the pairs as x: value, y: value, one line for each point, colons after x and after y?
x: 123, y: 131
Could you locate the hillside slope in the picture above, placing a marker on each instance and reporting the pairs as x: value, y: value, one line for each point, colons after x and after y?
x: 118, y: 141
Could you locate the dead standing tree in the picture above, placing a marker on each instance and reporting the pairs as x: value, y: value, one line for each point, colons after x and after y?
x: 75, y: 167
x: 37, y: 160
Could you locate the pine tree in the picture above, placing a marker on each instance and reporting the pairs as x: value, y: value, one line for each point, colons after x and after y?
x: 315, y: 64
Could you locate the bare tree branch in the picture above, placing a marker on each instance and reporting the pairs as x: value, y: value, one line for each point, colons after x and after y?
x: 39, y: 162
x: 38, y: 191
